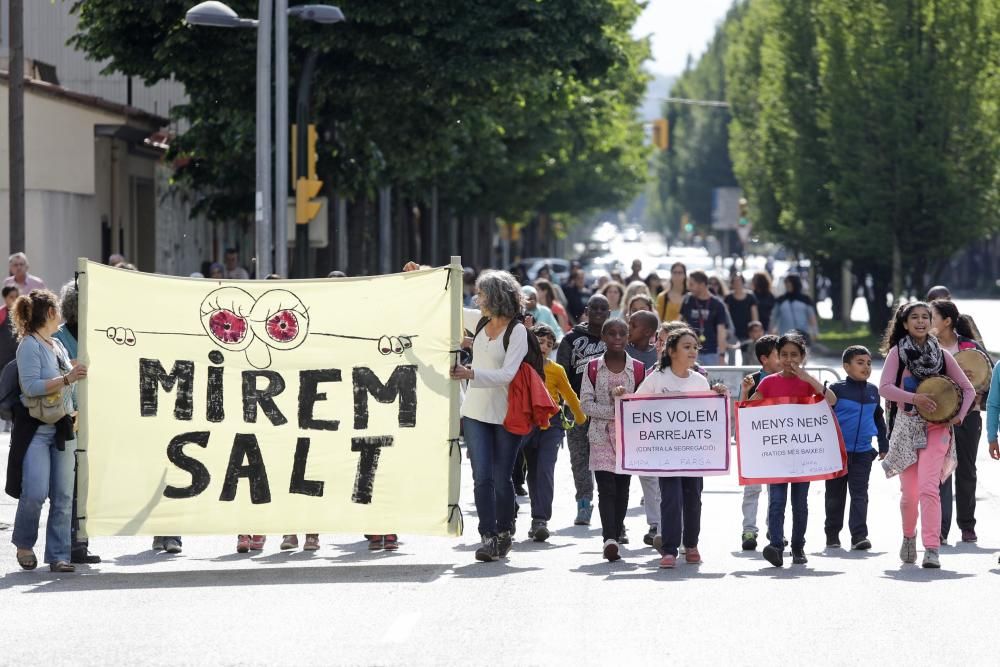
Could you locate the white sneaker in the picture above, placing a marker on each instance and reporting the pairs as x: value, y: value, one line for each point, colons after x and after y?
x: 611, y: 550
x: 908, y: 552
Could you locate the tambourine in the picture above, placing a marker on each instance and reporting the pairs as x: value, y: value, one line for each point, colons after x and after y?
x: 947, y: 395
x: 977, y: 366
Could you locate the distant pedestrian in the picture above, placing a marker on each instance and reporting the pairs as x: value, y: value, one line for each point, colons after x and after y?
x: 761, y: 287
x: 636, y: 275
x: 541, y: 313
x: 706, y: 314
x: 743, y: 310
x: 19, y: 276
x: 668, y: 302
x: 615, y: 293
x: 576, y: 293
x: 794, y: 311
x: 547, y: 296
x: 639, y: 302
x: 233, y: 269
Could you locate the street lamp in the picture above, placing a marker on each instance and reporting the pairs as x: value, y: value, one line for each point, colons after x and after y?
x: 219, y: 15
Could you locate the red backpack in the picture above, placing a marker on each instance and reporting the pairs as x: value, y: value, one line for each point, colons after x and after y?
x: 637, y: 369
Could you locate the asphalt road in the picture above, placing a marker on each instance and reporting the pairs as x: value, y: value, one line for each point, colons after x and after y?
x: 554, y: 603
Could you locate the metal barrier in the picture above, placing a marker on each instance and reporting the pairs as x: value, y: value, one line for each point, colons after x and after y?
x: 732, y: 376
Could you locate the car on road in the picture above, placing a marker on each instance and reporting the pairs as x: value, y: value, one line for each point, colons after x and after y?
x: 532, y: 265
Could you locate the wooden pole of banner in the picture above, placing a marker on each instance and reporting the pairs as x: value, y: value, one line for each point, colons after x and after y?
x: 456, y: 286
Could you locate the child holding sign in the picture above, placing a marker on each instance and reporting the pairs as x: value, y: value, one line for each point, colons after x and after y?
x: 680, y: 497
x: 792, y: 381
x: 611, y: 375
x: 765, y: 348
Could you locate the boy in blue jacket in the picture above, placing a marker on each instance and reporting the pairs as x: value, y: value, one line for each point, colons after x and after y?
x: 859, y: 414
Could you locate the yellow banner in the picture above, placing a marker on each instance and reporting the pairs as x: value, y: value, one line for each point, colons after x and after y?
x: 225, y: 407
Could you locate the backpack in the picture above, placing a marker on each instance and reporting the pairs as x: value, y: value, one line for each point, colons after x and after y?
x: 533, y: 357
x: 10, y: 390
x: 637, y: 369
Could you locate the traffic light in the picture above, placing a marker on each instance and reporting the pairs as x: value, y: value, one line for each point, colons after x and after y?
x: 306, y: 189
x: 744, y: 212
x: 661, y: 134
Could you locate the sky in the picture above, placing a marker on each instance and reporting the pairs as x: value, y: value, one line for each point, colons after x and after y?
x: 679, y: 27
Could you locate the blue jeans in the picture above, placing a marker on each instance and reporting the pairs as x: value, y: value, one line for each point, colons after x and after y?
x: 48, y: 473
x: 680, y: 512
x: 541, y: 448
x: 777, y: 497
x: 492, y: 450
x: 709, y: 358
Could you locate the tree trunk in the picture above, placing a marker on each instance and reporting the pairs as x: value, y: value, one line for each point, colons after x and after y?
x: 879, y: 312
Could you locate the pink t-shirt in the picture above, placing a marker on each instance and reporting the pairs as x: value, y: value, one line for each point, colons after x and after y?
x: 779, y: 386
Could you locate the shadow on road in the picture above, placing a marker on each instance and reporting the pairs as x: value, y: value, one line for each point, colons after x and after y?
x: 918, y: 574
x: 410, y: 573
x: 498, y: 568
x: 796, y: 572
x: 845, y: 554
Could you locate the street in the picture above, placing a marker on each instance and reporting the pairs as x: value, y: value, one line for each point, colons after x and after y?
x: 552, y: 603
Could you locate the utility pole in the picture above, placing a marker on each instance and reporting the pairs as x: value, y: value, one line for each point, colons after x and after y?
x: 16, y: 125
x: 264, y: 209
x: 281, y: 138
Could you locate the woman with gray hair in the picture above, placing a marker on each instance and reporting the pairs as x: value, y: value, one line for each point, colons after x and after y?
x: 499, y: 343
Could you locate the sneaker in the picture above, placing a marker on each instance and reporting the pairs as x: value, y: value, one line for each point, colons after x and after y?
x: 692, y: 556
x: 861, y: 544
x: 833, y: 541
x: 681, y: 549
x: 157, y: 543
x: 668, y: 562
x: 391, y: 542
x: 289, y: 542
x: 773, y: 555
x: 520, y: 490
x: 784, y: 542
x: 539, y: 530
x: 257, y: 542
x: 611, y: 551
x: 488, y: 552
x: 749, y: 540
x: 969, y: 535
x: 931, y: 559
x: 623, y: 536
x: 584, y: 510
x: 649, y: 537
x: 242, y: 544
x: 375, y: 542
x: 908, y: 552
x: 658, y: 542
x: 312, y: 542
x: 944, y: 540
x: 172, y: 545
x: 504, y: 543
x: 799, y: 556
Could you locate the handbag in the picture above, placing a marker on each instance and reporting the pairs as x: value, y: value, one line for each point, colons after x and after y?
x: 47, y: 409
x: 50, y: 408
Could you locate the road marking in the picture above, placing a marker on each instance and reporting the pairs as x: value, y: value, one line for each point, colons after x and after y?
x: 401, y: 629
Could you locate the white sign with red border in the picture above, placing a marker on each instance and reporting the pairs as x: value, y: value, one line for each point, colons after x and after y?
x: 788, y: 440
x: 672, y: 435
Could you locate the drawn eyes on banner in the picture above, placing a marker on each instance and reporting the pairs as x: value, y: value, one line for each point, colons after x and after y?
x: 277, y: 320
x: 224, y: 316
x: 394, y: 344
x: 280, y: 319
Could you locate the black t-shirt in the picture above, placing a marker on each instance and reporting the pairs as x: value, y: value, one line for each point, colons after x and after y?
x: 765, y: 304
x: 704, y: 317
x: 739, y: 310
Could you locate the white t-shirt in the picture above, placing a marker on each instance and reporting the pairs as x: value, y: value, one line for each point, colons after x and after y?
x: 486, y: 398
x: 666, y: 382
